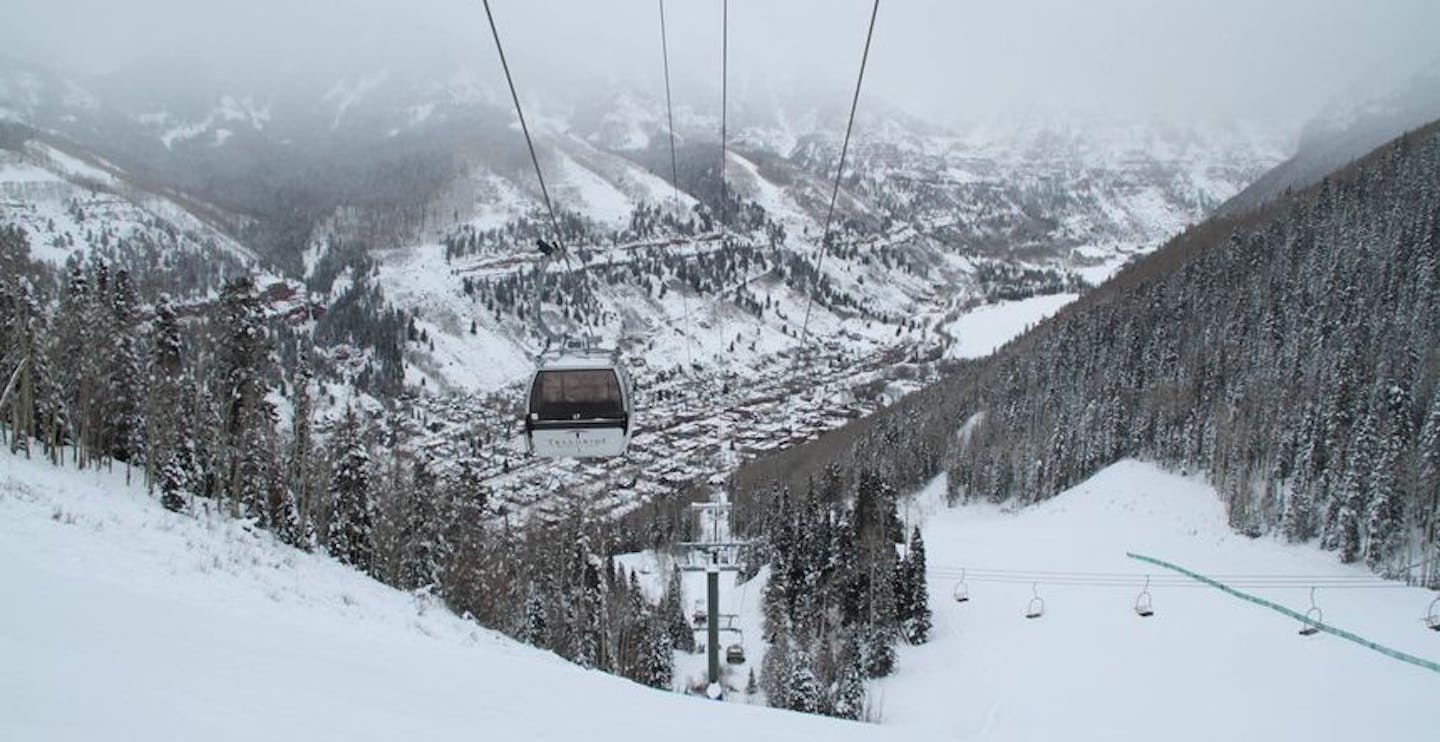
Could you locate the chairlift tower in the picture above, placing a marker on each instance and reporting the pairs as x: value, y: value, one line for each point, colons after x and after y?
x: 714, y: 551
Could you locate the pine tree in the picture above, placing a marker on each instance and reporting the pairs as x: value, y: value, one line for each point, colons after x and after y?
x: 672, y: 612
x: 420, y: 548
x: 163, y: 398
x: 352, y: 517
x: 916, y: 624
x: 802, y: 689
x: 536, y: 628
x: 1382, y: 517
x: 1345, y: 535
x: 847, y: 697
x: 775, y: 671
x: 75, y: 368
x: 656, y: 665
x: 241, y: 356
x: 878, y: 656
x: 123, y: 392
x: 299, y: 472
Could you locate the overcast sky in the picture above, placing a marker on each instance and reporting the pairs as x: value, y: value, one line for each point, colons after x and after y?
x: 948, y: 60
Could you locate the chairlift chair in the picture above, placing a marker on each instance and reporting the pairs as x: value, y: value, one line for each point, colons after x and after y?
x: 962, y: 590
x: 735, y: 654
x: 1143, y: 606
x: 580, y: 405
x: 1432, y: 616
x: 1314, y: 617
x: 1036, y: 607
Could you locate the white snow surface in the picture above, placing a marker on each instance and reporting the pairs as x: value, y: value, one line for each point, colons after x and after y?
x: 125, y: 621
x: 130, y: 622
x: 982, y: 331
x: 1206, y: 666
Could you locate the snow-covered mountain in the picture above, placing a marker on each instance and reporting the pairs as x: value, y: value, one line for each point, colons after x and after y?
x: 121, y: 608
x: 407, y: 192
x: 70, y: 201
x: 1349, y: 128
x: 393, y: 162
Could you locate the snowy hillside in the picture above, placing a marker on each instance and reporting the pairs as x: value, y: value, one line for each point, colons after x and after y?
x: 125, y: 621
x: 1206, y: 666
x: 69, y: 201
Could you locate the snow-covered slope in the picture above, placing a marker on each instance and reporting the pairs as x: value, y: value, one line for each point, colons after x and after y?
x: 71, y: 201
x: 1206, y: 666
x: 125, y: 621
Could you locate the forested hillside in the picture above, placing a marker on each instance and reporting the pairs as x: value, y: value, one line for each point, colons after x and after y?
x: 1292, y: 354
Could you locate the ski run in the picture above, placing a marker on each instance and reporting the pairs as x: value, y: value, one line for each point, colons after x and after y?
x: 125, y: 621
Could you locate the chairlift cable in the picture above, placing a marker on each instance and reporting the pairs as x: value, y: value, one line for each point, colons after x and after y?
x: 724, y: 148
x: 525, y: 129
x: 675, y: 179
x: 839, y: 171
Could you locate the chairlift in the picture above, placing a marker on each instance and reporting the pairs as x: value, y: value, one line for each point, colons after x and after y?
x: 1314, y: 618
x: 1432, y: 615
x: 962, y: 590
x: 1143, y: 607
x: 735, y: 654
x: 580, y: 405
x: 1036, y: 607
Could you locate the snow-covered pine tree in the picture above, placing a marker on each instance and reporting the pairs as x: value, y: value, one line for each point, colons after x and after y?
x: 1346, y: 532
x: 162, y: 400
x: 124, y: 381
x: 1383, y: 519
x: 775, y: 670
x: 242, y: 354
x: 916, y: 624
x: 672, y: 612
x: 352, y: 519
x: 299, y: 468
x: 73, y: 351
x: 656, y: 664
x: 803, y: 692
x: 878, y: 653
x: 535, y: 629
x: 847, y: 693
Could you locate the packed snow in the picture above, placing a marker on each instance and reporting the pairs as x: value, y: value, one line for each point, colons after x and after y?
x: 982, y: 331
x: 1206, y: 666
x: 125, y: 621
x: 133, y: 622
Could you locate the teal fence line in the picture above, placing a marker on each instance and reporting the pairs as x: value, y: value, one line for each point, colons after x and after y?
x: 1302, y: 618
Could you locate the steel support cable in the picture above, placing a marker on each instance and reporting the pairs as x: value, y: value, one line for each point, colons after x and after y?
x: 525, y: 129
x: 540, y: 176
x: 724, y: 148
x: 675, y: 180
x: 839, y: 172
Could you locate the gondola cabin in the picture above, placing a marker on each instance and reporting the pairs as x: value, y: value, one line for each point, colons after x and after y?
x: 579, y: 406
